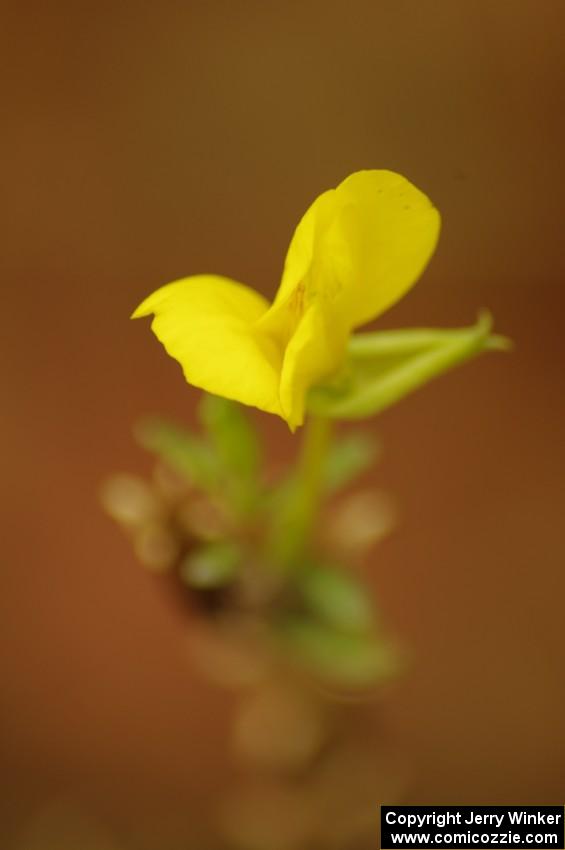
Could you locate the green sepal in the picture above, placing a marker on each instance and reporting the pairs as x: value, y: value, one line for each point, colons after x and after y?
x: 383, y: 367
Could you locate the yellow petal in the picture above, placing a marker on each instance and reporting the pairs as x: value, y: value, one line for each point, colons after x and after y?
x: 381, y: 239
x: 361, y: 246
x: 305, y: 248
x: 208, y: 324
x: 313, y: 352
x: 305, y: 319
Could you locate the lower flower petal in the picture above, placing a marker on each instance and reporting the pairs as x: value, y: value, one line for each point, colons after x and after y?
x: 207, y: 323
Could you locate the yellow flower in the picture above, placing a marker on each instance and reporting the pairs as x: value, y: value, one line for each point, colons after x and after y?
x: 355, y: 252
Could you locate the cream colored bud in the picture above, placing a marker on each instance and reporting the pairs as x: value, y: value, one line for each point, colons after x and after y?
x: 129, y: 500
x: 156, y: 546
x: 280, y: 727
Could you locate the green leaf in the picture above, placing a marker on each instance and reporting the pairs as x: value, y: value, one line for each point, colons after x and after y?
x: 235, y: 442
x: 211, y: 566
x: 348, y: 659
x: 232, y: 434
x: 337, y: 598
x: 384, y: 367
x: 187, y: 454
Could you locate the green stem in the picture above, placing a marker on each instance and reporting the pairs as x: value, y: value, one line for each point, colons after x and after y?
x: 312, y: 459
x: 310, y: 477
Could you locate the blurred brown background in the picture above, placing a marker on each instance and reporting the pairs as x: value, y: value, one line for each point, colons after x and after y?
x: 145, y: 141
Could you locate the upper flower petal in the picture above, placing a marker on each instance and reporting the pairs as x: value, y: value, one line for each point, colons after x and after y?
x: 382, y: 236
x: 361, y: 246
x: 208, y: 323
